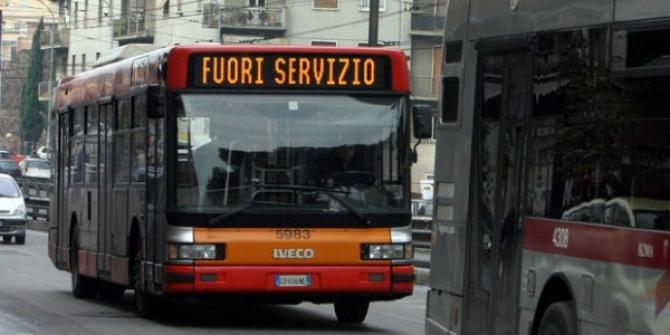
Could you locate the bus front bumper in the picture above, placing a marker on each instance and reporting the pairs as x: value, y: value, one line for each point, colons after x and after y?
x: 392, y: 281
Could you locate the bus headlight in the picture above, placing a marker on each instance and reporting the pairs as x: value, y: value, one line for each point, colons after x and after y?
x: 386, y: 251
x: 196, y: 251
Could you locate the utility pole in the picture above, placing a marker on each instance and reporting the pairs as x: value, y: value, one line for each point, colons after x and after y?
x: 52, y: 75
x: 373, y: 28
x: 218, y: 21
x: 1, y: 62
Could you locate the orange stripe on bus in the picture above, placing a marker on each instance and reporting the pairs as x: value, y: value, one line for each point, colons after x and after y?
x: 268, y: 246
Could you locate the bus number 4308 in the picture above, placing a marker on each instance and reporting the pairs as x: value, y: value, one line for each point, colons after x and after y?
x: 560, y: 238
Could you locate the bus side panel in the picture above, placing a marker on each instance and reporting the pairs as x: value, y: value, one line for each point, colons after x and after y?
x: 443, y: 313
x: 457, y: 14
x: 618, y: 281
x: 497, y: 18
x: 452, y: 178
x: 627, y: 10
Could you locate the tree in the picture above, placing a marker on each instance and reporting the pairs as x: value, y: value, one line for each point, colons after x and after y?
x: 32, y: 122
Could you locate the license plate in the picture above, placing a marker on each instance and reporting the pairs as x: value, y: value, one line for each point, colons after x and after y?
x: 293, y: 280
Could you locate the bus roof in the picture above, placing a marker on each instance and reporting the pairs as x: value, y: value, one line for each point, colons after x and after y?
x: 117, y: 78
x: 504, y: 18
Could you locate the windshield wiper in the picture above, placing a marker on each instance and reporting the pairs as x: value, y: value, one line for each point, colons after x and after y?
x: 329, y: 193
x: 225, y: 216
x: 253, y: 203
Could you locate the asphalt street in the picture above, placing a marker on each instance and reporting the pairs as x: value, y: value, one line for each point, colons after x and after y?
x: 35, y: 298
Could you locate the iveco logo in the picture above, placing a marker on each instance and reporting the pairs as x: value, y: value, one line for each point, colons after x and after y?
x: 293, y: 253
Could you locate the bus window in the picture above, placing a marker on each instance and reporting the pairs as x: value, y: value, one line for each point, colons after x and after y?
x: 568, y: 178
x: 138, y: 140
x: 122, y: 143
x: 91, y: 163
x: 77, y: 146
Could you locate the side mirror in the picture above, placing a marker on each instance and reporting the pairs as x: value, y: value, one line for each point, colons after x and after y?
x: 155, y: 98
x: 422, y: 119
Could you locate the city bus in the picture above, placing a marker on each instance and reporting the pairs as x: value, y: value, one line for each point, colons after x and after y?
x: 272, y: 173
x: 552, y: 179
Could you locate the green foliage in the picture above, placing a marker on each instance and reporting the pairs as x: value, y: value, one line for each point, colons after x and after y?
x: 32, y: 122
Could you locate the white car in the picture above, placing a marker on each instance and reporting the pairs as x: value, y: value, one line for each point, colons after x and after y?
x: 35, y: 168
x: 43, y: 153
x: 12, y: 211
x: 4, y: 154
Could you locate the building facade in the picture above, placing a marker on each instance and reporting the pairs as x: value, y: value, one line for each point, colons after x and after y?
x: 19, y: 22
x: 427, y: 26
x: 95, y: 27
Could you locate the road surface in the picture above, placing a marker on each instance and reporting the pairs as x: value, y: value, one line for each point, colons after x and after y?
x: 35, y: 298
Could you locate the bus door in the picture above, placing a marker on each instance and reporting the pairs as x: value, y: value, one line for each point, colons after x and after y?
x: 503, y: 94
x: 63, y: 157
x: 105, y: 132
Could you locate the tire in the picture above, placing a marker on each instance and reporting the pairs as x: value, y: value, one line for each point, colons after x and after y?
x: 111, y: 292
x: 20, y: 239
x: 147, y: 304
x: 82, y: 287
x: 351, y: 311
x: 7, y: 239
x: 559, y: 319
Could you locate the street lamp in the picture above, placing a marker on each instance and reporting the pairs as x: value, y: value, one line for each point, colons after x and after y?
x: 51, y: 75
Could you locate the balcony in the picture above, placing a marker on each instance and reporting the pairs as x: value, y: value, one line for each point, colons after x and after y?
x: 427, y: 23
x: 133, y: 28
x: 61, y: 39
x: 266, y: 22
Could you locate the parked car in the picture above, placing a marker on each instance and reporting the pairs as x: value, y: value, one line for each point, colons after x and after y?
x: 10, y: 167
x: 4, y: 154
x: 43, y: 153
x: 16, y: 157
x: 12, y: 211
x: 35, y: 168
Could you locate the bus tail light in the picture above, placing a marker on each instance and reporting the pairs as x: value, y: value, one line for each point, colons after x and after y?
x: 196, y: 251
x: 391, y: 251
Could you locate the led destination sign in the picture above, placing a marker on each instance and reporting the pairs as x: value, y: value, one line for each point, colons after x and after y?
x: 290, y: 71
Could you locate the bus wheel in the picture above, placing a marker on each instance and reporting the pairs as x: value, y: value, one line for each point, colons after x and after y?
x: 351, y: 311
x: 147, y: 305
x: 82, y: 287
x: 559, y: 319
x: 111, y: 292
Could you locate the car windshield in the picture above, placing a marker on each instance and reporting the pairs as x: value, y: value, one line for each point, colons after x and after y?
x: 37, y: 165
x: 8, y: 189
x: 327, y: 153
x: 8, y: 165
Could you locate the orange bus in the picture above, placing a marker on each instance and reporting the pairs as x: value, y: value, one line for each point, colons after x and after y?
x: 275, y: 173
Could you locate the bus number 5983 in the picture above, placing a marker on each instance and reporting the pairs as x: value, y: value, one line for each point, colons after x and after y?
x: 293, y: 234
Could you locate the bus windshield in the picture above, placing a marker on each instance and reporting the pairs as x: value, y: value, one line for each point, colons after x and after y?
x: 303, y: 152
